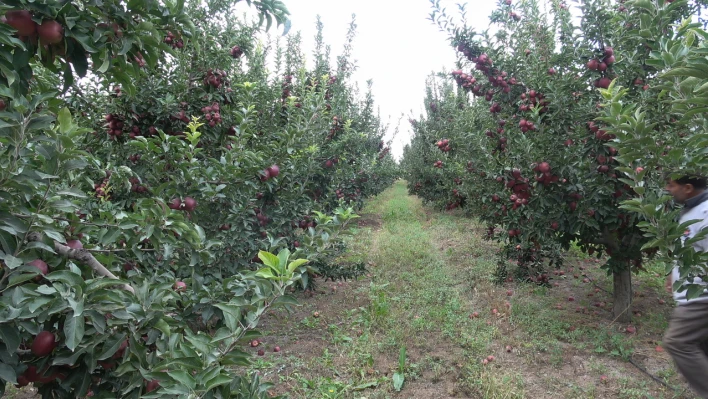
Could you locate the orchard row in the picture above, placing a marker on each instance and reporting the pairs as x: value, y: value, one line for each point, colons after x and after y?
x: 162, y: 186
x: 560, y: 130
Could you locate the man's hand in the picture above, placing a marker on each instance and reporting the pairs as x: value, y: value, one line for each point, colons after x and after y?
x: 669, y: 287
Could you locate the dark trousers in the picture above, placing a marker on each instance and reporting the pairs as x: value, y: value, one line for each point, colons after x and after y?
x: 686, y: 340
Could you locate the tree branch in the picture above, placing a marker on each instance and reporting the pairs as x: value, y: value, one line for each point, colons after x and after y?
x: 82, y: 256
x: 108, y: 251
x: 85, y: 257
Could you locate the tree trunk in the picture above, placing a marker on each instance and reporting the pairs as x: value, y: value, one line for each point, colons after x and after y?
x: 622, y: 293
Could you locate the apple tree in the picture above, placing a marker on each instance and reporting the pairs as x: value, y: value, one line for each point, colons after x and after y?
x: 132, y: 223
x: 658, y: 141
x: 527, y: 152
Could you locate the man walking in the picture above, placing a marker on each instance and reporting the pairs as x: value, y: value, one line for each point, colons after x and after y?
x: 686, y: 339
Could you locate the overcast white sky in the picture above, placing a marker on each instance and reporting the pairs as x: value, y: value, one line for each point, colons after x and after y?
x: 396, y: 46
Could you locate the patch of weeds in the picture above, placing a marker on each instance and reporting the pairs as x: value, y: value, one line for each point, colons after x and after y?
x: 621, y: 346
x: 337, y: 336
x: 379, y: 306
x: 501, y: 385
x: 310, y: 322
x: 576, y: 252
x: 632, y: 389
x: 598, y: 366
x: 587, y: 391
x: 324, y: 387
x: 556, y: 359
x: 666, y: 373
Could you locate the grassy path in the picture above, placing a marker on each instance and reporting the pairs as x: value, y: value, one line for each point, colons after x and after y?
x: 430, y: 291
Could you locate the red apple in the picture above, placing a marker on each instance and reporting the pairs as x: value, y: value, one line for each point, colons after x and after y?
x: 603, y: 82
x: 43, y: 344
x: 266, y: 175
x: 276, y: 349
x: 236, y: 52
x: 175, y: 204
x: 190, y: 204
x: 41, y: 265
x: 22, y: 21
x: 152, y: 385
x: 274, y: 170
x: 180, y: 286
x: 74, y: 244
x: 51, y: 32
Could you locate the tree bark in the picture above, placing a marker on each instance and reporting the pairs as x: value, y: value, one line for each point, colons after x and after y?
x: 622, y: 293
x: 82, y: 256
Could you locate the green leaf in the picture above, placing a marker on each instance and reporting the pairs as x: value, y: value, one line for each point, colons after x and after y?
x: 7, y: 373
x: 12, y: 262
x: 70, y: 360
x: 402, y: 358
x: 366, y: 385
x: 65, y: 121
x: 18, y: 278
x: 73, y: 330
x: 283, y: 256
x: 236, y: 357
x: 39, y: 302
x: 295, y: 264
x: 71, y: 279
x: 101, y: 283
x: 183, y: 377
x: 163, y: 326
x: 269, y: 259
x: 10, y: 336
x: 232, y: 315
x: 106, y: 62
x: 72, y: 192
x: 111, y: 347
x: 694, y: 291
x: 220, y: 379
x: 398, y: 380
x: 265, y: 273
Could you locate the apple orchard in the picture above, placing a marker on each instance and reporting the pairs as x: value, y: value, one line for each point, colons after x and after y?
x: 161, y: 189
x: 560, y: 128
x: 164, y: 183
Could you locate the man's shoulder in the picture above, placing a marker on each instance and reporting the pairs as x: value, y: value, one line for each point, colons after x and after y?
x: 702, y: 208
x: 699, y: 212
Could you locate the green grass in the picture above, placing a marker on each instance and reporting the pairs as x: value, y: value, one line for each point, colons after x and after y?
x: 429, y: 272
